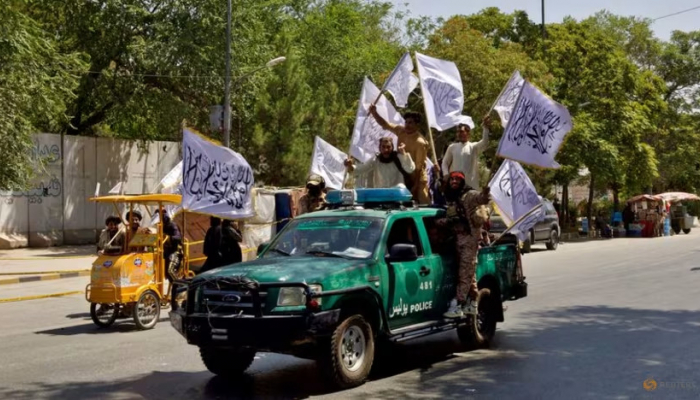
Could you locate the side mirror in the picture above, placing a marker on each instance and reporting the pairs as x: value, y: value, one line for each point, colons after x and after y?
x: 262, y: 247
x: 403, y: 252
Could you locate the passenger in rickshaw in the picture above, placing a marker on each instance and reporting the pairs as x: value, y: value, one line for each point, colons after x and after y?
x: 173, y: 240
x: 108, y: 244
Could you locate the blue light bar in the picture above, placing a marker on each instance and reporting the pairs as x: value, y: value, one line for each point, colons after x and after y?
x: 363, y: 196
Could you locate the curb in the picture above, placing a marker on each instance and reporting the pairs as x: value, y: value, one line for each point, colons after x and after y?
x: 44, y: 258
x: 41, y: 296
x: 46, y: 277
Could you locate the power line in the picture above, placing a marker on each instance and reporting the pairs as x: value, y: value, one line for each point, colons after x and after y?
x: 676, y: 13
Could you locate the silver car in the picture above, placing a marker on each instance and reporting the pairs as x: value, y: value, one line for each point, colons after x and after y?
x: 546, y: 230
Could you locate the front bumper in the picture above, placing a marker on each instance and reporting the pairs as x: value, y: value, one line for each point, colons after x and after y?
x: 245, y: 321
x: 265, y: 332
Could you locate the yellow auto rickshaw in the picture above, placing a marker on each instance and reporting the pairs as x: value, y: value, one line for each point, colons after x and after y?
x: 129, y: 280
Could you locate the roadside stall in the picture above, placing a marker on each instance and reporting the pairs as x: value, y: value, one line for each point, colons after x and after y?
x: 680, y: 220
x: 649, y: 212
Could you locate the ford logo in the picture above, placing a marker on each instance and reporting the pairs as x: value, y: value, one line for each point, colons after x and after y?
x: 231, y: 298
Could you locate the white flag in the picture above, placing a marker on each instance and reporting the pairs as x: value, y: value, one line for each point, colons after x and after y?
x: 536, y: 129
x: 367, y: 132
x: 441, y: 86
x: 513, y: 192
x: 327, y: 161
x: 522, y: 228
x: 172, y: 179
x: 117, y: 189
x: 401, y: 82
x: 215, y: 180
x: 509, y: 96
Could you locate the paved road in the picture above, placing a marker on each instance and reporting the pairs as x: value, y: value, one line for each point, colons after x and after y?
x: 600, y: 319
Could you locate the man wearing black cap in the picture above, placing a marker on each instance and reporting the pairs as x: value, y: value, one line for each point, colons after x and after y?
x: 315, y: 197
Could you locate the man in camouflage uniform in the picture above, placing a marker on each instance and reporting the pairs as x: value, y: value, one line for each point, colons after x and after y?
x: 466, y: 214
x: 315, y: 198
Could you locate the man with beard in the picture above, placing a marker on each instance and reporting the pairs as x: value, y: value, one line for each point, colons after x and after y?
x: 389, y: 168
x: 463, y: 156
x: 466, y: 214
x: 174, y: 239
x: 416, y: 147
x: 315, y: 197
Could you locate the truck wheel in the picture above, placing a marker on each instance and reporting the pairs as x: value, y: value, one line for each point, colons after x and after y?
x: 103, y: 315
x: 147, y: 310
x: 553, y: 242
x: 479, y: 332
x: 348, y: 359
x: 227, y: 363
x: 686, y: 231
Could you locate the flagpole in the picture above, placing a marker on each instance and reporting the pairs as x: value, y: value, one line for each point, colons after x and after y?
x: 527, y: 214
x: 500, y: 94
x: 427, y: 122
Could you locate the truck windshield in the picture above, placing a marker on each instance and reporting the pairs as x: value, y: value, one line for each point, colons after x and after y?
x: 345, y: 237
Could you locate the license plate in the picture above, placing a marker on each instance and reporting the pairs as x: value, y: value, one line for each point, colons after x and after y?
x: 176, y: 321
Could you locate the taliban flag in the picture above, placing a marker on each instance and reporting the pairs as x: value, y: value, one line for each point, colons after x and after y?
x: 366, y: 134
x: 535, y: 130
x: 441, y: 86
x: 328, y: 162
x: 402, y: 81
x: 509, y: 96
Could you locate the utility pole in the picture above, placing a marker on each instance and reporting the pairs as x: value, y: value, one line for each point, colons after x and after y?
x: 544, y: 33
x: 227, y: 85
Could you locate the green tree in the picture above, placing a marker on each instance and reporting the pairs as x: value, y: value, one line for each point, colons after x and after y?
x: 36, y: 81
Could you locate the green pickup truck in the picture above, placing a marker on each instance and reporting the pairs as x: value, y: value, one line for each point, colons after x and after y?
x: 336, y: 285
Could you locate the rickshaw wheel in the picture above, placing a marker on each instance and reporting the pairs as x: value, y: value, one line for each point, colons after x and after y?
x: 105, y: 315
x: 147, y: 310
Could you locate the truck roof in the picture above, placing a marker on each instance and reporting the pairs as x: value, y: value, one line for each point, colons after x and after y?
x: 371, y: 212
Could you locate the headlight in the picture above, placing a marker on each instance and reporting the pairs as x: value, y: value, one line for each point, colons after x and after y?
x: 294, y: 296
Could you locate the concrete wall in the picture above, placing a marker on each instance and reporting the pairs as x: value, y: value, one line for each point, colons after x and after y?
x: 56, y: 210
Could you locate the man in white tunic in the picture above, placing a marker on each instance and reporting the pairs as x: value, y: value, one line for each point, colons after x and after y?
x: 463, y: 156
x: 388, y: 169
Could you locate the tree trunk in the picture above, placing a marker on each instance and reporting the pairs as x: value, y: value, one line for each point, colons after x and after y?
x: 565, y: 204
x: 589, y: 211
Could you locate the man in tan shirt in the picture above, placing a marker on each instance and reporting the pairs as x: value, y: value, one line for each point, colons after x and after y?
x: 415, y: 145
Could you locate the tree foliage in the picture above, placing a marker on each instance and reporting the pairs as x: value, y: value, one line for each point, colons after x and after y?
x: 137, y: 68
x: 36, y: 83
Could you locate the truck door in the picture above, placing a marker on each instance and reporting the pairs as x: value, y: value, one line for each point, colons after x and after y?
x: 442, y: 250
x: 412, y: 283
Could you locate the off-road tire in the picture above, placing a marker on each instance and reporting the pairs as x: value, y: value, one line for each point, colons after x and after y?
x: 333, y: 361
x: 106, y: 323
x: 227, y: 363
x: 478, y: 333
x: 148, y: 299
x: 553, y: 242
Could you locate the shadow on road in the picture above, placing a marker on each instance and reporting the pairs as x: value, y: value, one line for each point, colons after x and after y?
x: 122, y: 325
x: 576, y: 352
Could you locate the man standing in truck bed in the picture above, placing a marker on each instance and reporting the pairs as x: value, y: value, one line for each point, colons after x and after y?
x: 416, y: 146
x: 466, y: 214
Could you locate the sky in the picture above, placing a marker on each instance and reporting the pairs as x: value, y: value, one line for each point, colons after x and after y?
x: 556, y: 10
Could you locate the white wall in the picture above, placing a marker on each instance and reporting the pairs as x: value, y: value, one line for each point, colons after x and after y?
x: 57, y: 210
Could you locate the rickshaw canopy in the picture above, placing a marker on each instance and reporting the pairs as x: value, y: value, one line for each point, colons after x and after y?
x: 679, y: 196
x: 146, y: 199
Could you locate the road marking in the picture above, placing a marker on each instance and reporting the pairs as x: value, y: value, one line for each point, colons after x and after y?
x: 46, y: 277
x: 42, y: 296
x: 67, y: 271
x: 37, y: 258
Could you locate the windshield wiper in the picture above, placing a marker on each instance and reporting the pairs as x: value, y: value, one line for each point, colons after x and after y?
x: 325, y: 253
x: 276, y: 250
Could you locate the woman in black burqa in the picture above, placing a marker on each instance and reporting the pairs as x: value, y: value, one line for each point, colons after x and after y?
x: 221, y: 245
x: 230, y: 249
x: 212, y: 245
